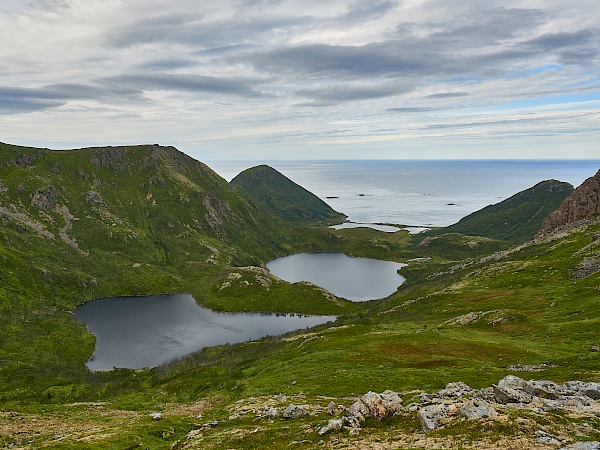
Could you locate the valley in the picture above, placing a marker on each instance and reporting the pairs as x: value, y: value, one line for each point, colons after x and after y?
x: 480, y: 302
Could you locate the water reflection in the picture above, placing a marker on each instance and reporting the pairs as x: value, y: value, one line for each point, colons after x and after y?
x: 137, y: 332
x: 356, y: 279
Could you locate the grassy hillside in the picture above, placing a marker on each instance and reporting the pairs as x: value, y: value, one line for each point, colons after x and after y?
x: 95, y: 222
x: 516, y: 219
x: 91, y: 223
x: 282, y: 197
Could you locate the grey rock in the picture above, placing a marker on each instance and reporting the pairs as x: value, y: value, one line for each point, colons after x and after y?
x: 594, y: 445
x: 354, y: 432
x: 294, y: 412
x: 512, y: 382
x: 508, y: 395
x: 478, y: 409
x: 331, y: 408
x: 156, y: 416
x: 456, y: 390
x: 332, y: 425
x: 430, y: 416
x: 271, y: 412
x: 546, y: 438
x: 379, y: 406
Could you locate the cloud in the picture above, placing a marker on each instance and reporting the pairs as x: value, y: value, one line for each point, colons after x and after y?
x: 411, y: 109
x: 448, y: 95
x: 349, y: 93
x: 20, y: 100
x: 185, y: 83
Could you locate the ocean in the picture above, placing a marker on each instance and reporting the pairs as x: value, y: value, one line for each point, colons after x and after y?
x: 417, y: 193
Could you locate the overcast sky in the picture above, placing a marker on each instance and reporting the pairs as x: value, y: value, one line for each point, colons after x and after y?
x: 277, y: 79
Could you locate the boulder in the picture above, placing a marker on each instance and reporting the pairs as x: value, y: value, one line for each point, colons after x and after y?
x: 294, y: 412
x: 477, y: 409
x: 508, y: 395
x: 379, y: 406
x: 582, y: 446
x: 332, y: 425
x: 430, y: 416
x: 455, y: 390
x: 271, y: 412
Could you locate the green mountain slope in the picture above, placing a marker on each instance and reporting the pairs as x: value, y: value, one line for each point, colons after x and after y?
x: 82, y: 224
x: 282, y: 197
x: 516, y: 219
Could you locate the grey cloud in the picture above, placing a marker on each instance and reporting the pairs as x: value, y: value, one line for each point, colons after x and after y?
x: 486, y: 27
x: 414, y: 109
x: 341, y: 94
x: 201, y: 32
x: 185, y: 83
x: 378, y: 59
x: 448, y: 95
x: 15, y: 100
x: 364, y: 11
x: 560, y: 40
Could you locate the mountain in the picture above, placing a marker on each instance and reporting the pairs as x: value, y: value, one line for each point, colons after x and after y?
x: 517, y: 218
x: 279, y: 195
x: 98, y: 222
x: 582, y: 203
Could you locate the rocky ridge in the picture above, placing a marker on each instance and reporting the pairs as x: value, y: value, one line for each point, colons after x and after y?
x: 582, y: 203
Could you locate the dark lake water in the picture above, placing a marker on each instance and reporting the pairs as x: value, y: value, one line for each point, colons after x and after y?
x: 356, y: 279
x: 137, y: 332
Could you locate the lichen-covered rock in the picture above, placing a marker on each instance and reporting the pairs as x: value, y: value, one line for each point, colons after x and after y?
x: 508, y: 395
x: 477, y: 409
x: 332, y: 425
x: 379, y: 406
x: 294, y: 412
x: 431, y: 415
x: 593, y: 445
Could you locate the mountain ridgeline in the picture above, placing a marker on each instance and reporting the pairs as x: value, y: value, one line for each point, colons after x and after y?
x: 282, y: 197
x: 516, y: 219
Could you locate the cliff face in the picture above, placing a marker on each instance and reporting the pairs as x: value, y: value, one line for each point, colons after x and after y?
x: 583, y: 203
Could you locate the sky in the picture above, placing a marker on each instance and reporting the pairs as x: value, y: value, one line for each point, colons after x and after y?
x: 309, y: 79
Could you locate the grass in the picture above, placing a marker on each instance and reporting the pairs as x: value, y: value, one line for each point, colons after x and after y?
x: 463, y: 315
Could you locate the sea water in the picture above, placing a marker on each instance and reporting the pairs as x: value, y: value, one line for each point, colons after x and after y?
x: 417, y: 193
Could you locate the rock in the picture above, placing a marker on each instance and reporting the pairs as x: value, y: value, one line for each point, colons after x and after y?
x: 546, y: 438
x: 331, y: 408
x: 212, y: 424
x: 591, y: 390
x: 582, y: 446
x: 271, y: 412
x: 332, y: 425
x: 455, y: 390
x: 294, y: 412
x: 44, y: 198
x: 508, y: 395
x: 234, y: 417
x: 379, y: 406
x: 354, y: 432
x: 596, y: 348
x: 156, y: 416
x: 582, y: 203
x: 430, y: 416
x: 194, y: 434
x: 477, y: 409
x: 544, y: 389
x: 512, y: 382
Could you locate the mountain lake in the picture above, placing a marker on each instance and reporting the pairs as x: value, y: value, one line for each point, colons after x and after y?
x: 138, y: 332
x: 355, y: 279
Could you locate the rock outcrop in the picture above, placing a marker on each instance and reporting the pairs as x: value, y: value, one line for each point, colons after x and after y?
x: 582, y: 203
x: 458, y: 400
